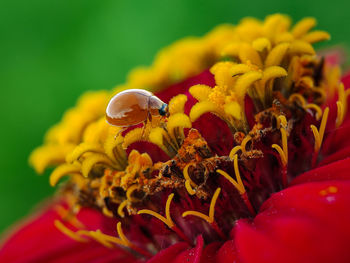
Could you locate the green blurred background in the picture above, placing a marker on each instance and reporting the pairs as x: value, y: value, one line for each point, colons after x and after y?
x: 52, y: 51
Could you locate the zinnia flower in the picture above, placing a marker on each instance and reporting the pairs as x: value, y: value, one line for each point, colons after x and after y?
x: 251, y: 165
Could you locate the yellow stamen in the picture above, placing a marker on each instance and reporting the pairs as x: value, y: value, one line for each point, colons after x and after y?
x: 283, y: 152
x: 318, y: 134
x: 129, y: 192
x: 300, y: 98
x: 244, y: 143
x: 121, y: 207
x: 340, y: 113
x: 122, y: 236
x: 166, y: 220
x: 281, y: 121
x: 189, y: 188
x: 316, y: 108
x: 107, y: 212
x: 239, y: 187
x: 234, y: 151
x: 187, y: 177
x: 68, y: 232
x: 68, y: 216
x: 210, y: 218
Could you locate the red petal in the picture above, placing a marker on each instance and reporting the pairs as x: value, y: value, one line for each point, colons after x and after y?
x: 227, y: 253
x: 305, y: 223
x: 38, y: 240
x: 192, y: 255
x: 338, y: 170
x: 168, y: 254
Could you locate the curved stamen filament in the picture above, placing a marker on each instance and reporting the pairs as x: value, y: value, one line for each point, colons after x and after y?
x: 234, y: 151
x: 318, y: 134
x: 189, y: 188
x: 340, y: 114
x: 121, y: 207
x: 68, y: 215
x: 107, y: 212
x: 129, y: 192
x: 189, y: 183
x: 283, y: 152
x: 244, y: 143
x: 238, y: 184
x: 73, y: 235
x: 299, y: 97
x: 316, y: 108
x: 281, y: 121
x: 166, y: 220
x: 210, y: 219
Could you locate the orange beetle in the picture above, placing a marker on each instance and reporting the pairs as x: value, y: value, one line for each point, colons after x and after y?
x: 133, y: 106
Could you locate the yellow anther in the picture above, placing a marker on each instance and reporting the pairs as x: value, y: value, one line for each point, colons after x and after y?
x: 187, y: 177
x: 244, y: 143
x: 68, y: 232
x: 318, y: 134
x: 129, y: 192
x: 189, y: 188
x: 316, y: 108
x: 63, y: 170
x: 107, y: 212
x: 121, y: 207
x: 100, y: 237
x: 340, y: 113
x: 68, y: 215
x: 210, y: 218
x: 234, y: 151
x: 122, y: 236
x: 238, y: 184
x: 283, y: 152
x: 281, y: 121
x: 299, y: 97
x: 166, y: 220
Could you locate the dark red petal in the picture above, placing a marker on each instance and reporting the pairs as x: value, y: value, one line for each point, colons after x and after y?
x: 338, y: 170
x: 38, y: 240
x: 209, y: 253
x: 168, y: 254
x: 192, y: 255
x: 227, y: 253
x: 304, y: 223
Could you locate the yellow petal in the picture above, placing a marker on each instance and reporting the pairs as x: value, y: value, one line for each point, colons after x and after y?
x: 244, y: 82
x: 301, y: 47
x: 239, y: 69
x: 63, y: 170
x: 316, y: 36
x: 200, y: 92
x: 233, y: 109
x: 178, y: 120
x: 177, y: 104
x: 81, y: 149
x: 49, y: 154
x: 261, y: 43
x: 276, y: 55
x: 272, y: 73
x: 203, y: 107
x: 303, y: 26
x: 248, y: 54
x: 92, y: 160
x: 132, y: 136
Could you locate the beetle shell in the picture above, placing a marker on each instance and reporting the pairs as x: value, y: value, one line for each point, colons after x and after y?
x: 131, y: 107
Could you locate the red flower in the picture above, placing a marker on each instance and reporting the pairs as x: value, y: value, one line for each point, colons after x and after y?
x: 266, y: 187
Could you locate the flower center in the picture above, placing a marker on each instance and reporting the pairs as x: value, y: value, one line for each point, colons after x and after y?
x: 234, y: 135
